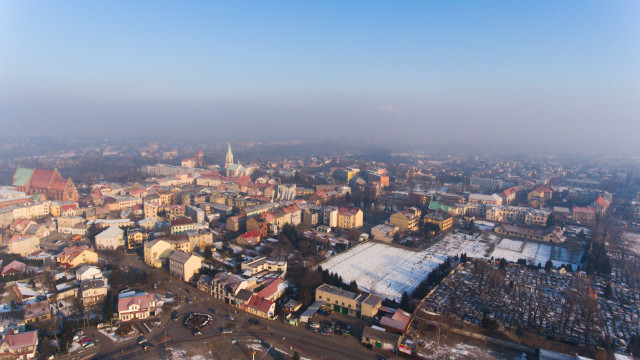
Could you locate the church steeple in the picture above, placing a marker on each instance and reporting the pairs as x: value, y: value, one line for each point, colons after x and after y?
x: 229, y: 158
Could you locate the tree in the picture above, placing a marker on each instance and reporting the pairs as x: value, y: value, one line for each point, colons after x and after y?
x: 45, y: 348
x: 548, y: 266
x: 295, y: 356
x: 405, y: 301
x: 208, y: 254
x: 353, y: 286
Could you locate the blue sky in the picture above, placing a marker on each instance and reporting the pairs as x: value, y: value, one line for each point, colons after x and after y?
x: 390, y: 65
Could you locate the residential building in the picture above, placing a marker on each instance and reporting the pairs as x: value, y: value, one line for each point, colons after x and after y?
x: 19, y: 346
x: 181, y: 226
x: 554, y: 235
x: 261, y: 307
x: 37, y: 311
x: 136, y: 307
x: 380, y: 339
x: 541, y: 194
x: 330, y: 216
x: 13, y: 268
x: 74, y: 256
x: 156, y: 252
x: 136, y: 238
x: 23, y: 245
x: 236, y: 223
x: 407, y: 219
x: 584, y: 215
x: 363, y: 305
x: 350, y: 218
x: 262, y: 264
x: 492, y: 199
x: 384, y: 232
x: 488, y: 184
x: 88, y: 272
x: 110, y: 239
x: 442, y: 219
x: 93, y: 291
x: 184, y: 265
x: 250, y: 239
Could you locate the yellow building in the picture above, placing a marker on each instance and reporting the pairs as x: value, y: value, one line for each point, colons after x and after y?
x: 407, y: 219
x: 443, y: 219
x: 135, y: 238
x: 364, y: 306
x: 75, y: 256
x: 156, y: 252
x: 350, y: 218
x: 184, y: 265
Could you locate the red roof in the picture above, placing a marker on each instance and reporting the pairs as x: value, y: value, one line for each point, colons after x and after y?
x: 22, y: 340
x: 347, y: 211
x: 67, y: 207
x: 14, y: 267
x: 602, y: 202
x: 270, y: 289
x: 251, y: 234
x: 510, y: 191
x: 543, y: 189
x: 41, y: 177
x: 59, y: 184
x: 584, y: 210
x: 260, y: 304
x: 144, y: 302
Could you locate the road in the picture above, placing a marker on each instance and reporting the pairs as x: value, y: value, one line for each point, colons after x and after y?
x: 284, y: 336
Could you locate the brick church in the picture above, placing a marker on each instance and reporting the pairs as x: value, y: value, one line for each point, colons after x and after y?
x: 47, y: 182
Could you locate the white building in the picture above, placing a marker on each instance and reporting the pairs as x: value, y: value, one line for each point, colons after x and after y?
x: 110, y: 239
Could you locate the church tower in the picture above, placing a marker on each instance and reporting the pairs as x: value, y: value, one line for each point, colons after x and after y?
x: 229, y: 158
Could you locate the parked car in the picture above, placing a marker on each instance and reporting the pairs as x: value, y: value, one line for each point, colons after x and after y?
x: 212, y: 310
x: 323, y: 312
x: 254, y: 322
x: 196, y: 332
x: 142, y: 340
x: 229, y: 317
x: 88, y: 344
x: 175, y: 316
x: 226, y: 331
x: 101, y: 325
x: 314, y: 325
x: 146, y: 346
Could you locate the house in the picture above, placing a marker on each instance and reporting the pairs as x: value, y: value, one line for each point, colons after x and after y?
x: 349, y: 218
x: 380, y: 339
x: 584, y: 215
x: 363, y: 305
x: 261, y: 307
x: 39, y: 230
x: 184, y: 265
x: 236, y: 223
x: 181, y: 226
x: 38, y: 311
x: 225, y: 286
x: 407, y: 219
x: 136, y: 307
x: 135, y: 238
x: 384, y: 232
x: 251, y: 238
x: 74, y: 256
x: 156, y: 252
x: 262, y: 264
x: 88, y: 272
x: 397, y: 322
x: 23, y: 245
x: 540, y: 195
x: 274, y: 290
x: 442, y: 219
x: 13, y: 268
x: 110, y: 239
x: 19, y: 346
x: 93, y: 291
x: 509, y: 195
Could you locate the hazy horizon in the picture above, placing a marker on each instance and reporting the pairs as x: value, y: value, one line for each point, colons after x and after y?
x: 531, y: 76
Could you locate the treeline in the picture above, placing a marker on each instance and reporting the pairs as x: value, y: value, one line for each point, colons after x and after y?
x: 434, y: 278
x: 598, y: 261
